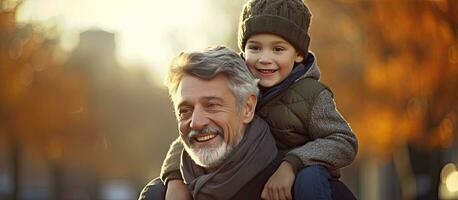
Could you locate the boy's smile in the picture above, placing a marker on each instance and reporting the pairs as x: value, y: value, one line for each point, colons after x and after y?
x: 266, y: 72
x: 270, y: 58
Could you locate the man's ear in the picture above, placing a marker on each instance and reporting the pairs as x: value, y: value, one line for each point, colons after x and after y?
x: 248, y: 108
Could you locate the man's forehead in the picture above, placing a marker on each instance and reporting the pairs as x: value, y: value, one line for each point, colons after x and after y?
x: 191, y: 87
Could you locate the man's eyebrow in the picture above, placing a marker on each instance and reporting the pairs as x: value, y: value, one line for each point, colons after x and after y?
x: 212, y: 98
x: 183, y: 103
x: 207, y: 98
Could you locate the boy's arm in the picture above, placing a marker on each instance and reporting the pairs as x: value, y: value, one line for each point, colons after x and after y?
x: 333, y: 145
x: 170, y: 169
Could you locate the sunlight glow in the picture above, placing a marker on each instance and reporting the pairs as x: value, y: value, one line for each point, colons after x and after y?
x: 449, y: 182
x: 148, y: 32
x: 452, y: 181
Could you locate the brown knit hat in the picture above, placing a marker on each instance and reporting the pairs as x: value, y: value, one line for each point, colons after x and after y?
x: 289, y: 19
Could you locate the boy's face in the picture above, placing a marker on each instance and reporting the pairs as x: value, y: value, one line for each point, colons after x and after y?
x: 270, y: 58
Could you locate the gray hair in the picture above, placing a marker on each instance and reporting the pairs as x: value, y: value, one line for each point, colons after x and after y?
x: 209, y: 63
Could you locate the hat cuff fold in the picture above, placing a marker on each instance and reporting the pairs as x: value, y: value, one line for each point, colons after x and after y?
x: 276, y: 25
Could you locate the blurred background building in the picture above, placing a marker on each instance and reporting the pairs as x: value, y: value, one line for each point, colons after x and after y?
x: 82, y: 123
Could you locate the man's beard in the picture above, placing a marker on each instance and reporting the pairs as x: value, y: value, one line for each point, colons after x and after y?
x: 209, y: 157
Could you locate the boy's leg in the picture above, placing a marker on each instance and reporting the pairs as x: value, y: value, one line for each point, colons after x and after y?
x: 154, y: 190
x: 340, y: 191
x: 312, y: 182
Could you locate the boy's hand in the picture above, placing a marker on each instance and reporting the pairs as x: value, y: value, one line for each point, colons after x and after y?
x: 279, y: 185
x: 176, y: 189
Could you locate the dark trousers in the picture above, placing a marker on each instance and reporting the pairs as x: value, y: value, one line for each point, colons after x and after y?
x: 312, y: 182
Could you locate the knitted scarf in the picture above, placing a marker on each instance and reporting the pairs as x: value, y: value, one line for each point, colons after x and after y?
x: 254, y: 153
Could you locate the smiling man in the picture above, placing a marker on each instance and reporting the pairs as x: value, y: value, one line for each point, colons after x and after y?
x: 229, y: 152
x: 210, y: 124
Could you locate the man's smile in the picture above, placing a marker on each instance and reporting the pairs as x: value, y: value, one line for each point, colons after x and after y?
x: 207, y: 137
x: 203, y: 137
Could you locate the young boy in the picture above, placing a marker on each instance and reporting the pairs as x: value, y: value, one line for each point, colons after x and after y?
x: 273, y: 37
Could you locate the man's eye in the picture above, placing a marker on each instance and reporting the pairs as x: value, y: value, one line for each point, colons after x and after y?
x: 213, y: 105
x: 184, y: 113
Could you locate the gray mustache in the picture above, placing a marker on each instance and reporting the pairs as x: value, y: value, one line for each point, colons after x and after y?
x: 206, y: 130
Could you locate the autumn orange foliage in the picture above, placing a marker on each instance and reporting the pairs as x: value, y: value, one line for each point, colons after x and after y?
x: 409, y: 84
x: 41, y: 103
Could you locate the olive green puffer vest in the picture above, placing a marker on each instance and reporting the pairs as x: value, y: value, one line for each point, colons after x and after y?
x: 289, y: 112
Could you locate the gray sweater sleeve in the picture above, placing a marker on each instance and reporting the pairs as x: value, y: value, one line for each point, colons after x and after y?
x: 171, y: 166
x: 333, y: 145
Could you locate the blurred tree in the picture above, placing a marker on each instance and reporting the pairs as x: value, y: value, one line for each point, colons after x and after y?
x: 41, y: 104
x: 407, y: 89
x: 133, y: 115
x: 92, y: 119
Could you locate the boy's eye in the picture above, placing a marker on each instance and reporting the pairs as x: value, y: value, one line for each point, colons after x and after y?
x: 278, y: 49
x: 253, y: 48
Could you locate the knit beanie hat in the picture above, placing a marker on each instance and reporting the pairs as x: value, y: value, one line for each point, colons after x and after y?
x: 289, y: 19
